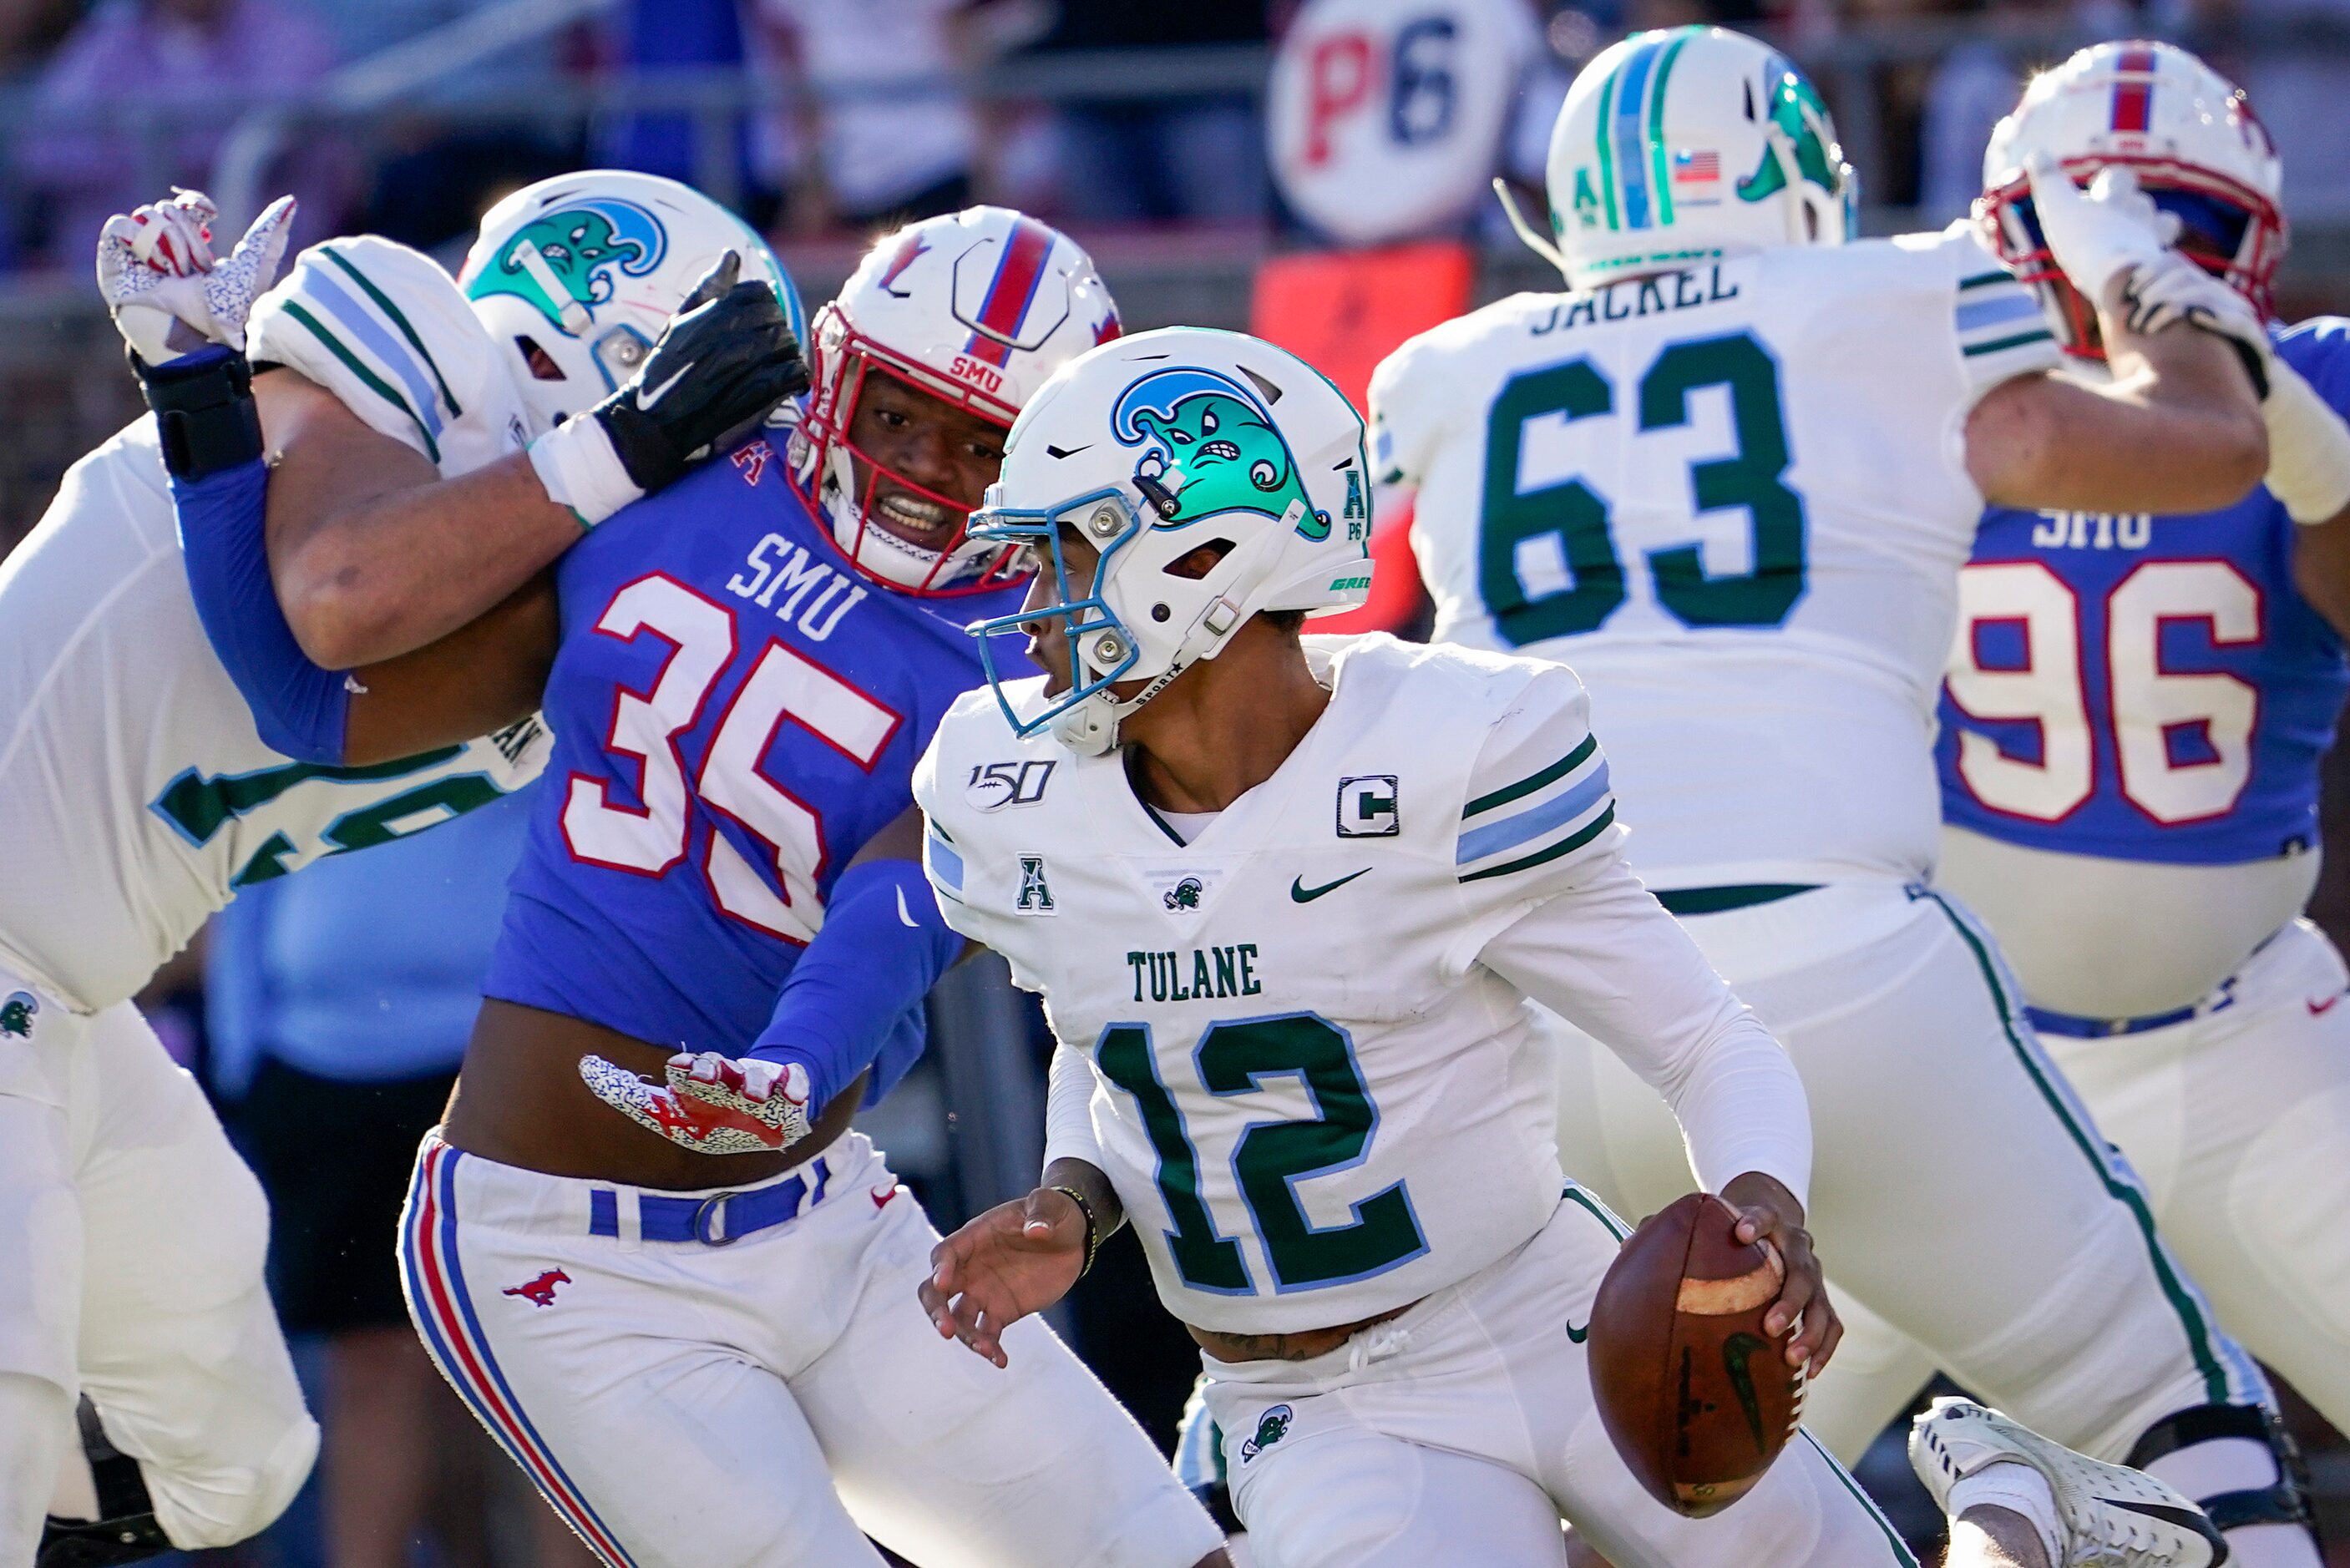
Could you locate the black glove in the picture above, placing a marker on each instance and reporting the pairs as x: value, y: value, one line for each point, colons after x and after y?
x: 724, y: 362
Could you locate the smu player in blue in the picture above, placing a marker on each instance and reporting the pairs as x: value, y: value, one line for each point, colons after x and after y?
x: 2133, y: 724
x: 704, y: 1347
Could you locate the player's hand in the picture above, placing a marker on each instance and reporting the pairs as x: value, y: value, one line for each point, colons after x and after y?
x: 710, y: 1104
x: 1017, y: 1257
x: 722, y: 365
x: 1769, y: 1213
x: 168, y: 294
x: 2115, y: 244
x: 725, y: 361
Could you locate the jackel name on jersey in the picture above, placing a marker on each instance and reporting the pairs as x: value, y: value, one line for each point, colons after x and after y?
x: 2146, y: 687
x: 735, y: 714
x: 1313, y: 1101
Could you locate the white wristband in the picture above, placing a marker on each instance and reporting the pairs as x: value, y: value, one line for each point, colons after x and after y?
x: 2309, y: 447
x: 576, y: 463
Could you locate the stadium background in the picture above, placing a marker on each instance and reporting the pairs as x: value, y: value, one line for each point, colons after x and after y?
x: 1139, y: 128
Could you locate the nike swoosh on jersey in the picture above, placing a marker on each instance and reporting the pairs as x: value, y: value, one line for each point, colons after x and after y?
x: 905, y: 916
x: 2323, y: 1005
x: 1303, y: 894
x: 1578, y: 1334
x: 648, y: 396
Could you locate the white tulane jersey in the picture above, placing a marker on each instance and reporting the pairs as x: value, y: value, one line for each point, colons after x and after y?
x: 1310, y: 1083
x: 1735, y: 499
x: 135, y: 794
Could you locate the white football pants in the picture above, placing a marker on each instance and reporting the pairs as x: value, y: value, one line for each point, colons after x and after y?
x: 774, y: 1400
x: 1958, y: 1188
x: 1463, y: 1430
x: 132, y: 1241
x: 2239, y: 1121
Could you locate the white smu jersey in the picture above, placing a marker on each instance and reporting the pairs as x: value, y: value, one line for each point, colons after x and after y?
x: 1735, y: 499
x: 1312, y: 1098
x: 136, y: 795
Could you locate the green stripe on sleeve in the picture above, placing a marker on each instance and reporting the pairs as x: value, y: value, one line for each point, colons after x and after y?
x: 1567, y: 845
x: 1982, y: 278
x: 2041, y: 335
x: 1526, y: 786
x: 374, y: 383
x: 383, y: 302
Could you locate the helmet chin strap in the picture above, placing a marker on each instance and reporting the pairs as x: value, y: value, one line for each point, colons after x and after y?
x: 1526, y: 231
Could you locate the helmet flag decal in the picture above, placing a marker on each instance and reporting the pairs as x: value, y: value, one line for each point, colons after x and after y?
x: 1011, y: 291
x: 581, y: 244
x: 1209, y: 447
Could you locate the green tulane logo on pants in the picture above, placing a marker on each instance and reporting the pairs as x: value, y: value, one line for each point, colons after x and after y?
x: 17, y: 1014
x: 1271, y: 1427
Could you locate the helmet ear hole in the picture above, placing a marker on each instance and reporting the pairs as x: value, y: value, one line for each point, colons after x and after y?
x: 542, y: 364
x: 1200, y: 560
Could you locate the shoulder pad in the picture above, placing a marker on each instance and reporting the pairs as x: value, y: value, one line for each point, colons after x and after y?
x: 386, y: 330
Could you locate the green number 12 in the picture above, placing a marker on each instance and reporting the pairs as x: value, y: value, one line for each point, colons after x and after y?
x: 1577, y: 517
x: 1271, y: 1158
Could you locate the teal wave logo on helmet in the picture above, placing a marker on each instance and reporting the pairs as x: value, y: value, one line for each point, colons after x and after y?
x: 1211, y: 446
x: 567, y: 261
x: 1797, y: 113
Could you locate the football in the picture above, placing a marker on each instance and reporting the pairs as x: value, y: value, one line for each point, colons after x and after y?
x: 1697, y: 1399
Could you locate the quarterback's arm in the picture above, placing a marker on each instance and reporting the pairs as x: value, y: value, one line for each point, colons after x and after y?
x: 2179, y: 429
x: 373, y: 554
x: 1606, y: 957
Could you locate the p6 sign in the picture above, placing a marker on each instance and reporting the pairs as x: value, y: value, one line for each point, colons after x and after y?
x: 1384, y: 115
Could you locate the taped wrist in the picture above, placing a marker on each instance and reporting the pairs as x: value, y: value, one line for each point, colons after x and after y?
x: 578, y: 464
x: 883, y: 947
x: 203, y: 410
x: 300, y: 708
x: 2309, y: 447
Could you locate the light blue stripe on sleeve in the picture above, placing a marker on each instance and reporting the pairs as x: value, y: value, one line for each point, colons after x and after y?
x: 946, y: 865
x: 382, y: 344
x: 1557, y: 812
x: 2002, y: 307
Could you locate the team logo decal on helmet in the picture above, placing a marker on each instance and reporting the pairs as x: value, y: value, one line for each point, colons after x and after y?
x: 1802, y: 119
x: 564, y: 261
x: 1210, y: 446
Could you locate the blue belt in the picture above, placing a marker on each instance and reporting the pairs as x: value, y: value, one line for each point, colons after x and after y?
x: 718, y: 1221
x: 2074, y: 1027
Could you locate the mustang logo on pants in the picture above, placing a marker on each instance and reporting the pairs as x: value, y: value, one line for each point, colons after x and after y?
x: 539, y: 1292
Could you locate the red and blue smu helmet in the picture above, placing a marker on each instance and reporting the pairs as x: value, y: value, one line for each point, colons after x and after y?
x: 2189, y: 135
x: 977, y: 309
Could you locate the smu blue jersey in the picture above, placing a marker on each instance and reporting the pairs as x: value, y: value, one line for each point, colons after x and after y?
x: 2140, y: 688
x: 736, y: 711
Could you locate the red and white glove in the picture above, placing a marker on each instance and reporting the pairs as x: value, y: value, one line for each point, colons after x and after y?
x: 710, y: 1104
x: 167, y: 292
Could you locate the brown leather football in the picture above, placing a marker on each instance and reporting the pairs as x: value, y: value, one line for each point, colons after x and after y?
x: 1697, y: 1399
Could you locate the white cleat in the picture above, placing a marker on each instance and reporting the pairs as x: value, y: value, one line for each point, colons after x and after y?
x: 2112, y: 1516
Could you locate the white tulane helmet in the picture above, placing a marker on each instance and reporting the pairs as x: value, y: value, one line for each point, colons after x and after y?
x: 977, y: 309
x: 2185, y: 130
x: 1687, y: 144
x: 1151, y: 448
x: 576, y: 276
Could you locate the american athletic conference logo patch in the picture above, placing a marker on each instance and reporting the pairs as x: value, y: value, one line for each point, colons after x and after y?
x: 17, y: 1010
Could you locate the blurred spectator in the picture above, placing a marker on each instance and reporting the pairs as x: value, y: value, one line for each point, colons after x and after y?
x: 1976, y: 83
x: 2299, y: 93
x: 1155, y: 159
x: 874, y: 155
x: 671, y: 35
x: 103, y: 146
x: 339, y: 1002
